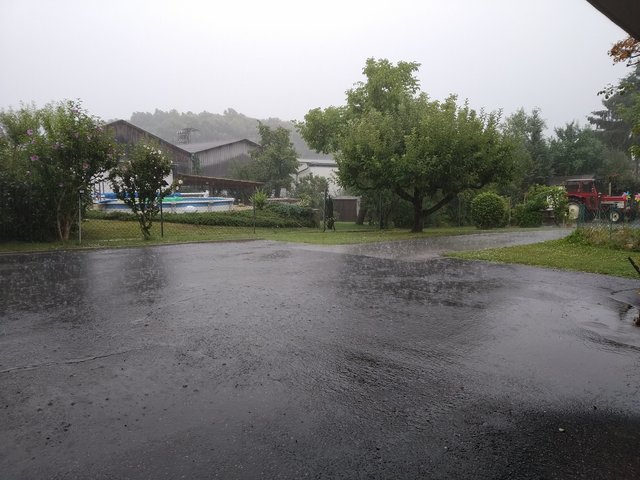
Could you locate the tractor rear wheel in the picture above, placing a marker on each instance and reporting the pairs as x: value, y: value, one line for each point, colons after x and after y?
x: 574, y: 211
x: 615, y: 216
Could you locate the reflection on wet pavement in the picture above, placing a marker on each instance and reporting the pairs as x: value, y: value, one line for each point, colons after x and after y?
x: 266, y: 360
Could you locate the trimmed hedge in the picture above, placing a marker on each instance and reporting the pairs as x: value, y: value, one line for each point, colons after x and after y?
x: 269, y: 217
x: 290, y: 211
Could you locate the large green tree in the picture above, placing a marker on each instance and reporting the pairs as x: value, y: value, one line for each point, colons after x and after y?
x: 576, y: 150
x: 55, y: 154
x: 274, y: 161
x: 531, y: 150
x: 390, y: 135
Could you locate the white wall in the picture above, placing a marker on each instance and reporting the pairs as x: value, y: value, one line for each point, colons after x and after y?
x: 328, y: 171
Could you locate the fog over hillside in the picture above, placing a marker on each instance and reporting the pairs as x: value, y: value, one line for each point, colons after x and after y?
x: 229, y: 125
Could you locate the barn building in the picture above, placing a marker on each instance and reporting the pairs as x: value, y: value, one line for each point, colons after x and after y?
x: 200, y: 165
x: 128, y: 134
x: 218, y: 159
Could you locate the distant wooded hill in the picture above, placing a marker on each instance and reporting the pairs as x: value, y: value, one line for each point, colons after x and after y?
x: 214, y: 127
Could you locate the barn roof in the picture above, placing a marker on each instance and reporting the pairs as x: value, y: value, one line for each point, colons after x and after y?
x: 145, y: 133
x: 204, y: 146
x: 186, y: 148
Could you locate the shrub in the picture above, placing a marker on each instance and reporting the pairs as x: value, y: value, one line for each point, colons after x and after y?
x: 259, y: 199
x: 24, y: 210
x: 288, y: 210
x: 488, y: 210
x: 558, y: 201
x: 49, y: 160
x: 538, y: 199
x: 624, y: 238
x: 525, y: 217
x: 302, y: 215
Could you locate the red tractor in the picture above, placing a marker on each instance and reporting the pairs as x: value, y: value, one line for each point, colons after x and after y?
x: 583, y: 192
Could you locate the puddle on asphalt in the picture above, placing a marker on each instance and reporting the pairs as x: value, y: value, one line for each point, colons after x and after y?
x: 620, y: 330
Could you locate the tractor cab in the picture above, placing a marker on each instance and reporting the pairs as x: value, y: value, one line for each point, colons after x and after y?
x: 583, y: 191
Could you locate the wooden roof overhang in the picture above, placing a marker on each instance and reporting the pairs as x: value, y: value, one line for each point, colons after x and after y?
x: 199, y: 180
x: 624, y: 13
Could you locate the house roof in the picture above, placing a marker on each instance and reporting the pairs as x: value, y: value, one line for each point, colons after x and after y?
x: 204, y: 146
x: 624, y: 13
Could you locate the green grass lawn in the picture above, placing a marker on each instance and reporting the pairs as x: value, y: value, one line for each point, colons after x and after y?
x: 115, y: 233
x: 561, y: 254
x: 350, y: 233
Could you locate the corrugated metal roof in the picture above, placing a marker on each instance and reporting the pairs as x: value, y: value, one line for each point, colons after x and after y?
x: 145, y: 133
x: 204, y: 146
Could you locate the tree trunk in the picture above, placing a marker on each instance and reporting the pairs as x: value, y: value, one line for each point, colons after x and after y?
x: 362, y: 214
x: 145, y: 227
x: 66, y: 228
x: 59, y: 220
x: 276, y: 192
x: 418, y: 218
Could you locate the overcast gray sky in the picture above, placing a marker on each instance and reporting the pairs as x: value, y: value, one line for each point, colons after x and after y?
x: 280, y: 58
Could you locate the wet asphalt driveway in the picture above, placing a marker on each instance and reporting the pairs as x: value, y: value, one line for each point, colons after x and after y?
x: 268, y: 360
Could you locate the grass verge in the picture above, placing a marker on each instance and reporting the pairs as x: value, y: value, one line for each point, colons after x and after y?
x: 99, y: 233
x: 562, y: 254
